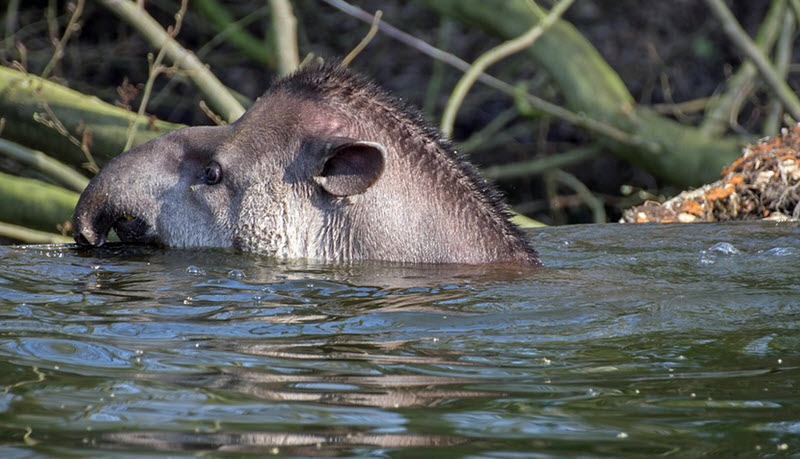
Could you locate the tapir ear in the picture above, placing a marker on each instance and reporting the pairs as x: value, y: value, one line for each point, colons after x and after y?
x: 351, y: 167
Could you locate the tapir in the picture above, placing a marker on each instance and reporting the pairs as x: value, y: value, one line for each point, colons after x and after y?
x: 324, y: 166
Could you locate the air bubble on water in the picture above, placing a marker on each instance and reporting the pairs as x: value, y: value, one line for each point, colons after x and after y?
x: 709, y: 256
x: 705, y: 259
x: 236, y: 274
x: 781, y: 252
x: 723, y: 248
x: 193, y: 270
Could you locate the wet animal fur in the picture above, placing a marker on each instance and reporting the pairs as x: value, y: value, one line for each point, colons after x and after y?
x: 333, y: 82
x: 422, y: 203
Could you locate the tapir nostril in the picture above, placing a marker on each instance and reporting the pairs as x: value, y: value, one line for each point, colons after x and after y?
x: 87, y: 236
x: 81, y: 239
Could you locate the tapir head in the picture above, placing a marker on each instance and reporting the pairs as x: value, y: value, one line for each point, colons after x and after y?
x: 323, y: 166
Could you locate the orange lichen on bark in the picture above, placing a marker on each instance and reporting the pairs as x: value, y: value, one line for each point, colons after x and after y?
x: 718, y: 193
x: 693, y: 208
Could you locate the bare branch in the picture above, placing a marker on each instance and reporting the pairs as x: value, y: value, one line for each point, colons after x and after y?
x: 373, y: 29
x: 542, y: 105
x: 218, y: 95
x: 72, y: 25
x: 155, y: 69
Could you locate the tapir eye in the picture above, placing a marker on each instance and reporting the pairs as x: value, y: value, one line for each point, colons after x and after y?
x: 212, y: 173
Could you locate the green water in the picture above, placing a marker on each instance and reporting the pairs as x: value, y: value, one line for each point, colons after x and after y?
x: 676, y: 341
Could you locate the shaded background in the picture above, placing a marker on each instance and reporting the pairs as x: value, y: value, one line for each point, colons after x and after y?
x: 672, y: 56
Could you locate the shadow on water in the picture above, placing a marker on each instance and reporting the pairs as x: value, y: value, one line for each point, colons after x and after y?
x: 644, y: 340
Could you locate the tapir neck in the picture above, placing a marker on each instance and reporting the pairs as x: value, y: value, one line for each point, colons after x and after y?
x: 414, y: 224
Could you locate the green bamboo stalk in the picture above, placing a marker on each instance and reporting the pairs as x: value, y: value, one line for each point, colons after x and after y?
x: 22, y: 96
x: 720, y: 108
x: 485, y: 60
x: 54, y: 169
x: 740, y: 38
x: 578, y: 119
x: 684, y: 156
x: 35, y: 204
x: 538, y: 165
x: 285, y: 26
x: 783, y: 57
x: 30, y: 236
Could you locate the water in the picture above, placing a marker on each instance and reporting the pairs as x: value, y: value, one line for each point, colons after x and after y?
x: 635, y: 340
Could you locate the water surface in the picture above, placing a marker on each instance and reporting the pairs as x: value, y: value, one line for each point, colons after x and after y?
x: 634, y: 340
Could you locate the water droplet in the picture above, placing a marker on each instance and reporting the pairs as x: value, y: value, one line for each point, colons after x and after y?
x: 724, y: 248
x: 781, y: 252
x: 193, y: 270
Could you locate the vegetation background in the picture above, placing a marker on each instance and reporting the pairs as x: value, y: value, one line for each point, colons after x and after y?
x: 617, y: 102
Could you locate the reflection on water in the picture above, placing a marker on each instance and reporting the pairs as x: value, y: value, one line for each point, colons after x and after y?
x: 669, y: 340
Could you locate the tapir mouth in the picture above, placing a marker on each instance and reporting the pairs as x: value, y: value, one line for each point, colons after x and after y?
x: 130, y: 229
x: 133, y: 230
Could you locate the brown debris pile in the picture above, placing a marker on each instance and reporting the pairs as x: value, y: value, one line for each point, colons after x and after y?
x: 763, y: 184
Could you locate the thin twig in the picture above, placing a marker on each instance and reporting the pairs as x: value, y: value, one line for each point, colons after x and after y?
x: 539, y: 165
x: 54, y: 169
x: 489, y: 131
x: 72, y: 25
x: 52, y: 121
x: 51, y: 20
x: 235, y: 31
x: 231, y: 30
x: 685, y: 107
x: 218, y: 95
x: 285, y: 26
x: 154, y: 69
x: 436, y: 80
x: 373, y: 29
x: 593, y: 202
x: 746, y: 46
x: 10, y: 25
x: 796, y: 8
x: 210, y: 113
x: 542, y: 105
x: 494, y: 55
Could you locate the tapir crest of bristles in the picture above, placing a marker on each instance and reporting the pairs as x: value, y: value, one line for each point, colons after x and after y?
x: 325, y: 165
